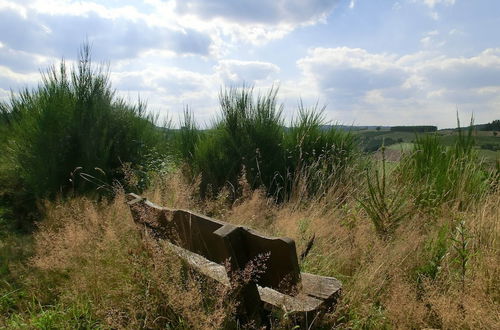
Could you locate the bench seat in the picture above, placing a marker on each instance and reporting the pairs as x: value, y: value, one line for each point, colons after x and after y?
x: 317, y: 292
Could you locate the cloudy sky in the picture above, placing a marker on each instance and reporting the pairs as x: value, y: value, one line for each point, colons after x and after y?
x: 382, y: 62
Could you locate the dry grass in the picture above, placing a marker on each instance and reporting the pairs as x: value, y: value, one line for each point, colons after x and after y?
x: 92, y: 252
x: 384, y: 284
x: 88, y: 252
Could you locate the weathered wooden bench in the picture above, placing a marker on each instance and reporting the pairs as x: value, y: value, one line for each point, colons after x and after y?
x: 218, y: 250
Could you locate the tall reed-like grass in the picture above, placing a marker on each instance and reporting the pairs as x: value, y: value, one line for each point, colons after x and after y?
x: 318, y: 156
x: 73, y: 119
x: 386, y: 203
x: 248, y: 135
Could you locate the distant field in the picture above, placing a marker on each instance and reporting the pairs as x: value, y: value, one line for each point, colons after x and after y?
x: 487, y: 143
x: 404, y: 146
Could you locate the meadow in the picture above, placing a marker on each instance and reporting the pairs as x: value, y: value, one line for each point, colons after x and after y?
x: 414, y: 240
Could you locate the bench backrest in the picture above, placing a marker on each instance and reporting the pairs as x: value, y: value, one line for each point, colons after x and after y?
x: 201, y: 234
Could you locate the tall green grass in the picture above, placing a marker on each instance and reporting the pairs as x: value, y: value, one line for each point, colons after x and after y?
x: 317, y: 157
x: 249, y: 138
x: 441, y: 174
x: 246, y: 136
x: 73, y: 119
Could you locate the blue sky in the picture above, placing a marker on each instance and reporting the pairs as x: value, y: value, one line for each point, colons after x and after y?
x: 370, y: 62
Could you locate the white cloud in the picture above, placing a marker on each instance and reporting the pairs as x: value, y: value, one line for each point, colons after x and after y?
x: 434, y: 3
x: 58, y: 28
x: 235, y: 72
x: 366, y: 87
x: 432, y: 40
x: 259, y: 11
x: 10, y: 79
x: 344, y: 74
x: 253, y: 21
x: 482, y: 70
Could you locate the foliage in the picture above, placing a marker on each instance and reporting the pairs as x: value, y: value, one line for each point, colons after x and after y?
x: 415, y: 129
x: 249, y: 136
x: 317, y: 159
x: 445, y: 174
x: 384, y: 205
x: 493, y: 126
x: 73, y: 120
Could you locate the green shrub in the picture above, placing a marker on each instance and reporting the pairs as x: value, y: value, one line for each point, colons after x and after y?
x: 73, y: 120
x: 386, y: 203
x: 317, y: 158
x: 249, y: 137
x: 248, y: 134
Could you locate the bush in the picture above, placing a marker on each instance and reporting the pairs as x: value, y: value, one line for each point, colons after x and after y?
x: 493, y: 126
x: 317, y: 158
x: 249, y: 137
x: 74, y: 120
x: 490, y: 146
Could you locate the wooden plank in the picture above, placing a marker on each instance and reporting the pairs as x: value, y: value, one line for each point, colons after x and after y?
x: 195, y: 233
x: 299, y: 303
x: 321, y: 287
x: 202, y: 265
x: 283, y: 272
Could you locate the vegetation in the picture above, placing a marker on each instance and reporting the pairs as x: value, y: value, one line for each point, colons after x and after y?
x: 493, y: 126
x: 385, y: 207
x: 440, y: 174
x: 71, y: 128
x: 414, y: 240
x: 249, y: 137
x: 420, y: 129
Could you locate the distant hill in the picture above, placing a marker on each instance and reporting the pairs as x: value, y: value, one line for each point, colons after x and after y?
x: 492, y: 126
x: 355, y: 128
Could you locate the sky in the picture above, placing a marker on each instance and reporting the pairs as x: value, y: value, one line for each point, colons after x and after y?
x: 369, y: 62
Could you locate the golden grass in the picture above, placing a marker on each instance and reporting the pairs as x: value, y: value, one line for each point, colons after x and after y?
x: 91, y: 252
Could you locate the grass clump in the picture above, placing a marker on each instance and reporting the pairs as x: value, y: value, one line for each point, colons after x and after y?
x: 441, y: 174
x: 248, y: 135
x: 318, y: 157
x: 90, y: 268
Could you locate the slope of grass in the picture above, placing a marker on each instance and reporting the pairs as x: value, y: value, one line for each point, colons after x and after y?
x: 445, y: 174
x: 415, y: 242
